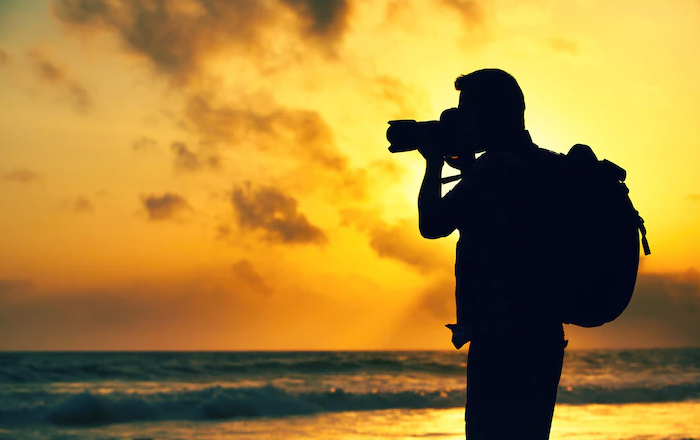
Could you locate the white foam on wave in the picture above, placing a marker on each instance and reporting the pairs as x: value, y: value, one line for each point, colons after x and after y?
x: 214, y: 403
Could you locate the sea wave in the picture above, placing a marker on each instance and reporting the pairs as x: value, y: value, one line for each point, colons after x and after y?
x: 214, y: 403
x: 73, y: 367
x: 640, y: 393
x: 24, y: 368
x: 217, y: 403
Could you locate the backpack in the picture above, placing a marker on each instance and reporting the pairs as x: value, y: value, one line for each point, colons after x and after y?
x: 597, y: 258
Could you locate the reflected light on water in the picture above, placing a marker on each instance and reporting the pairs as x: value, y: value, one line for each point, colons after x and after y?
x: 670, y: 421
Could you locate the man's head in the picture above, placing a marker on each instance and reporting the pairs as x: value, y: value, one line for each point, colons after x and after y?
x: 493, y: 105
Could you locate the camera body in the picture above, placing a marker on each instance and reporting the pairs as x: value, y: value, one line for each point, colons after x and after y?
x: 447, y: 134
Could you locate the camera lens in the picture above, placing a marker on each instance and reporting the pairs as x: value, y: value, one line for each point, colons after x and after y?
x: 402, y: 135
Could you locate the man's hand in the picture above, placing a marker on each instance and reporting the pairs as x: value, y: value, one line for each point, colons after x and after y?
x: 432, y: 155
x: 433, y: 222
x: 459, y: 335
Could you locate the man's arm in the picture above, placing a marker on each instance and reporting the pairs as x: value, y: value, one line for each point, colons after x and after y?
x: 434, y: 219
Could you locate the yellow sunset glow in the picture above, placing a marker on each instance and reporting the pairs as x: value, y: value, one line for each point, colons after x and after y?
x: 219, y: 179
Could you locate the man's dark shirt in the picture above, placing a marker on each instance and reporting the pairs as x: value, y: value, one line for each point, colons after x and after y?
x: 503, y: 209
x: 506, y: 208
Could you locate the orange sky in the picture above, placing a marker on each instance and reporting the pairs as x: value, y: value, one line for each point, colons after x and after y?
x: 210, y: 174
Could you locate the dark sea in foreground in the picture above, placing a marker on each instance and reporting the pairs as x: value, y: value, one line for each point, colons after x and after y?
x: 603, y: 394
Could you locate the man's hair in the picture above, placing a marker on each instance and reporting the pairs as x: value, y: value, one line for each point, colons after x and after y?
x: 494, y: 93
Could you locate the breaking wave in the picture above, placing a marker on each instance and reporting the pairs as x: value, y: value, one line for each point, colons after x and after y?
x: 269, y: 401
x: 219, y: 403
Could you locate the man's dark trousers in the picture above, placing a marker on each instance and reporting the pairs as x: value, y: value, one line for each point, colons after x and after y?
x: 512, y: 382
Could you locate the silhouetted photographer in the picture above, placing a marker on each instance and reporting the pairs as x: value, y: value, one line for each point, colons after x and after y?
x: 545, y: 239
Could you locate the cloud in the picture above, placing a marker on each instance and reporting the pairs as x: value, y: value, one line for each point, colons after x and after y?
x: 563, y: 45
x: 121, y: 317
x: 422, y: 324
x: 223, y: 232
x: 180, y: 38
x: 666, y: 295
x: 167, y: 206
x: 326, y: 18
x: 187, y: 160
x: 295, y: 139
x: 144, y: 143
x: 177, y: 36
x: 20, y: 175
x: 437, y: 300
x: 278, y: 130
x: 245, y: 273
x: 5, y: 58
x: 407, y: 100
x: 229, y: 60
x: 274, y: 213
x: 47, y: 70
x: 55, y: 75
x: 274, y: 132
x: 79, y: 204
x: 469, y: 11
x: 387, y: 170
x: 10, y: 287
x: 664, y: 311
x: 400, y: 241
x: 207, y: 310
x: 79, y: 96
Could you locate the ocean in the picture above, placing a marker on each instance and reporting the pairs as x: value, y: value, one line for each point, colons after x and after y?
x: 603, y: 394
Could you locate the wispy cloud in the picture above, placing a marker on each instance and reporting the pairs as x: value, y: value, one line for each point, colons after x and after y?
x: 245, y: 273
x: 188, y: 160
x: 664, y: 311
x: 80, y: 204
x: 20, y: 175
x: 279, y: 129
x: 5, y: 58
x: 268, y: 210
x: 399, y: 241
x: 176, y: 37
x: 180, y: 39
x: 166, y: 206
x: 469, y: 10
x: 144, y: 143
x: 406, y: 100
x: 51, y: 73
x: 47, y: 70
x: 14, y: 287
x: 563, y: 45
x: 204, y: 311
x: 402, y: 242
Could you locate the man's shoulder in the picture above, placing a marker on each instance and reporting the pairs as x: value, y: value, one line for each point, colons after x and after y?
x: 546, y: 155
x: 546, y: 161
x: 497, y: 164
x: 535, y: 153
x: 491, y: 167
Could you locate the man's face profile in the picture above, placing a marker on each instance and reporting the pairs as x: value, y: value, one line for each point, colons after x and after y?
x: 470, y: 136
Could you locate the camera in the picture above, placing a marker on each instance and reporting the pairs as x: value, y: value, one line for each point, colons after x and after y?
x: 445, y: 134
